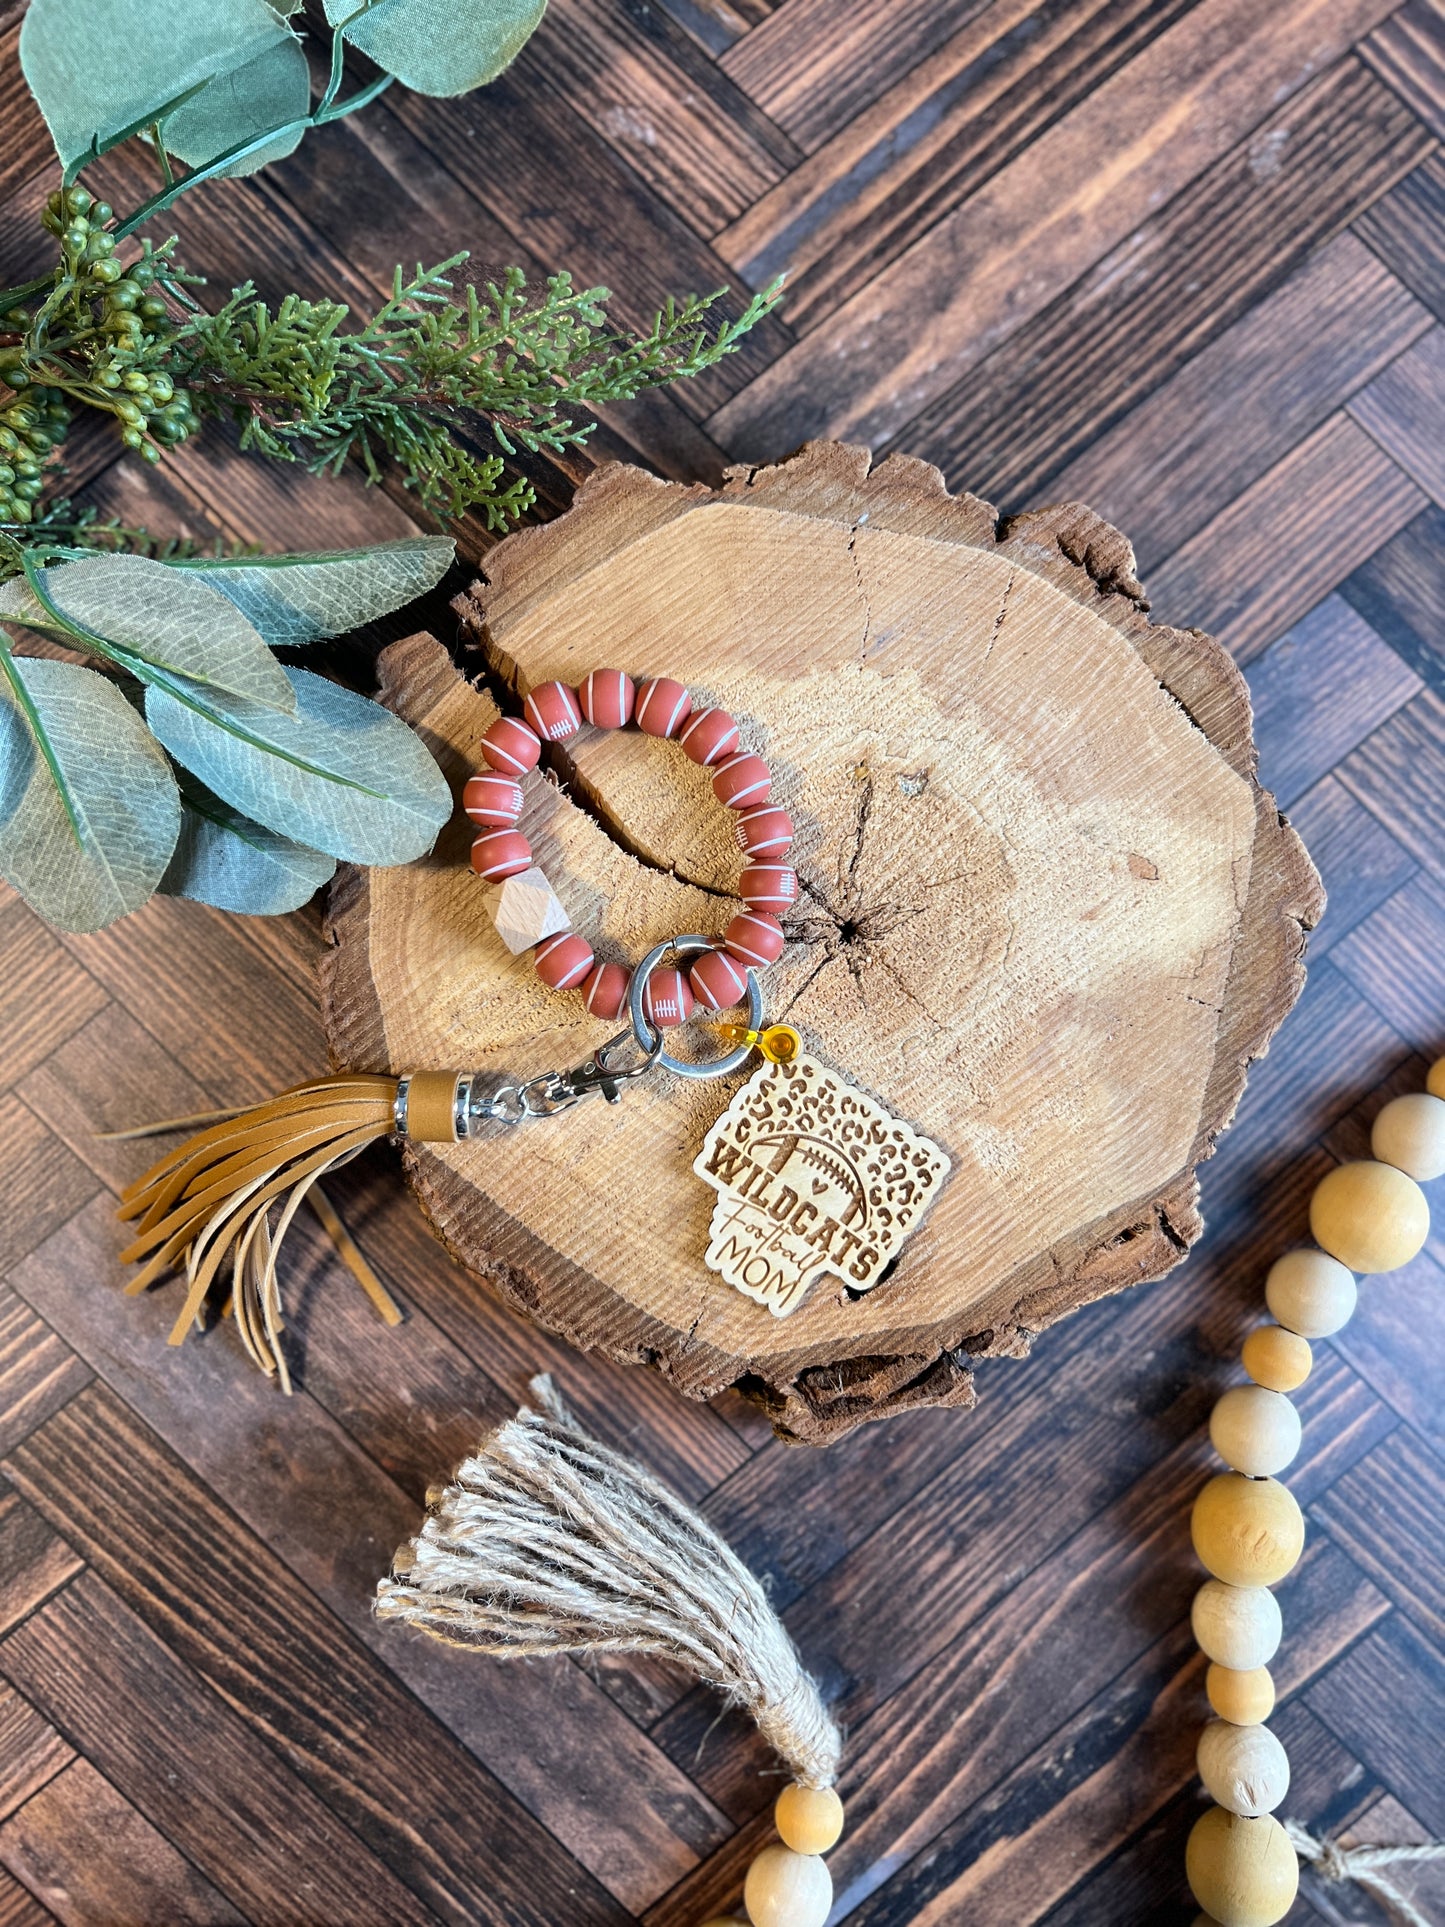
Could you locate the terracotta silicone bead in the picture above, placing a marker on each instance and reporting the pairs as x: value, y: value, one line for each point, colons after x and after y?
x: 511, y: 747
x: 606, y: 698
x: 564, y: 960
x: 552, y: 711
x: 1245, y: 1698
x: 1247, y: 1532
x: 709, y: 735
x: 742, y: 781
x: 755, y: 937
x: 1254, y: 1430
x: 1277, y: 1358
x: 501, y: 853
x: 718, y: 983
x: 1239, y: 1626
x: 492, y: 798
x: 809, y: 1819
x: 1370, y: 1216
x: 667, y: 1000
x: 1243, y: 1872
x: 1310, y: 1293
x: 1244, y: 1768
x: 764, y: 831
x: 605, y: 991
x: 787, y: 1889
x: 662, y: 706
x: 768, y: 886
x: 1410, y: 1134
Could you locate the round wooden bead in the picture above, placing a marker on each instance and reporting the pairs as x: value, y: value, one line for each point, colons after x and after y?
x: 667, y: 1001
x: 768, y: 886
x: 809, y: 1819
x: 1410, y: 1134
x: 1277, y: 1358
x: 1243, y: 1872
x: 606, y: 698
x: 509, y: 746
x: 742, y: 781
x: 552, y: 711
x: 1435, y: 1078
x: 754, y: 937
x: 1310, y: 1293
x: 787, y: 1889
x: 717, y: 981
x: 764, y: 831
x: 1244, y: 1768
x: 605, y: 991
x: 1239, y: 1626
x: 1245, y: 1698
x: 1254, y: 1430
x: 501, y: 853
x: 1370, y: 1216
x: 662, y: 706
x: 709, y: 735
x: 563, y: 961
x: 492, y: 798
x: 1247, y: 1532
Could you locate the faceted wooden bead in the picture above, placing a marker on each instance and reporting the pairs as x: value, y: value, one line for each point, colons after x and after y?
x: 662, y: 706
x: 1247, y: 1532
x: 755, y: 937
x: 509, y: 746
x: 742, y: 781
x: 552, y: 710
x: 765, y: 831
x: 1410, y: 1134
x: 1254, y: 1430
x: 768, y: 886
x: 563, y: 961
x: 1310, y: 1293
x: 605, y: 991
x: 809, y: 1819
x: 525, y: 908
x: 606, y: 698
x: 718, y: 983
x: 667, y: 1000
x: 1243, y: 1872
x: 1242, y: 1697
x: 492, y: 798
x: 709, y: 735
x: 1277, y: 1358
x: 501, y: 853
x: 1244, y: 1768
x: 1370, y: 1216
x: 787, y: 1889
x: 1239, y: 1626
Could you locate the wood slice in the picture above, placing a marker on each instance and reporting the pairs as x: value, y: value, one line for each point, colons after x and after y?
x: 1048, y: 914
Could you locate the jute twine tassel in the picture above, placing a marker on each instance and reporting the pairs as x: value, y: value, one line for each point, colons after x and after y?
x: 549, y: 1542
x: 1365, y: 1867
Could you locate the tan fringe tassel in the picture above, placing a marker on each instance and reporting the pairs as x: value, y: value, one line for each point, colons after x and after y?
x: 1363, y: 1865
x: 549, y: 1542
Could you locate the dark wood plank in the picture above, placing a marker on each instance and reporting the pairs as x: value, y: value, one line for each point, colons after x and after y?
x: 31, y: 1751
x: 1400, y: 592
x: 1388, y: 1513
x: 1398, y: 773
x: 88, y: 1854
x: 19, y: 1907
x: 45, y: 995
x: 1403, y: 228
x: 37, y: 1372
x: 1399, y: 1322
x: 26, y: 148
x: 1361, y: 863
x: 1404, y: 409
x: 1408, y: 51
x: 34, y: 1560
x: 716, y: 24
x: 40, y: 1182
x: 1383, y: 1693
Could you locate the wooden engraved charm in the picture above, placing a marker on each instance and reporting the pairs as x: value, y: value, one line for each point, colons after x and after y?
x: 813, y: 1175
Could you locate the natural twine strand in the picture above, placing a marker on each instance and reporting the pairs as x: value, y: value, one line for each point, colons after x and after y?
x: 549, y: 1542
x: 1331, y: 1861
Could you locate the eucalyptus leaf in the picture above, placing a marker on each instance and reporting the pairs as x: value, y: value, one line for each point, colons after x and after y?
x: 296, y: 599
x: 81, y: 874
x: 223, y: 858
x: 440, y: 46
x: 381, y: 798
x: 95, y: 66
x: 175, y: 621
x: 269, y: 91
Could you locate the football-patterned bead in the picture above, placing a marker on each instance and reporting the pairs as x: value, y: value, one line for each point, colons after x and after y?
x: 493, y: 799
x: 605, y: 991
x: 742, y: 781
x: 662, y: 706
x: 768, y: 886
x: 606, y: 698
x: 509, y: 746
x: 717, y: 981
x: 764, y: 831
x: 552, y: 711
x: 755, y: 938
x: 708, y: 735
x: 563, y: 961
x: 667, y: 1000
x: 501, y: 853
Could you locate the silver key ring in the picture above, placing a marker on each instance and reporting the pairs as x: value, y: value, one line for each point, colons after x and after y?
x: 649, y: 1040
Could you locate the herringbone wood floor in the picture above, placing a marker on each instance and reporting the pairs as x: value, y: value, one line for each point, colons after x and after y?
x: 1180, y: 258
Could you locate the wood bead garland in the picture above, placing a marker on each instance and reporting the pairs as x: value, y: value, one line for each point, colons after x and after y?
x: 1255, y: 1430
x: 1310, y: 1293
x: 787, y: 1889
x: 1244, y: 1696
x: 1276, y: 1358
x: 1243, y: 1872
x: 1239, y: 1626
x: 1370, y: 1216
x: 809, y: 1819
x: 1244, y: 1768
x: 1247, y: 1532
